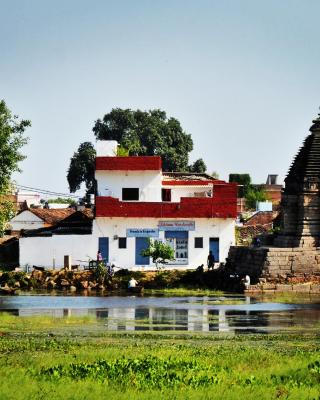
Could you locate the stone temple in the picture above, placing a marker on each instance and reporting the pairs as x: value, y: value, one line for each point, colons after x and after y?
x: 301, y: 196
x: 295, y: 253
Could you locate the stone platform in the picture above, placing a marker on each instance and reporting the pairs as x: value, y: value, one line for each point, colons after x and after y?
x: 275, y: 264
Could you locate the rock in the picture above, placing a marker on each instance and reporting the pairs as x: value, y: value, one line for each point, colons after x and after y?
x: 38, y: 275
x: 72, y: 288
x: 92, y: 285
x: 64, y: 282
x: 101, y: 287
x: 17, y: 284
x: 84, y: 284
x: 51, y: 284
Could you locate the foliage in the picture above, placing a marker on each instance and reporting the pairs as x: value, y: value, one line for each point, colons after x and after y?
x: 11, y: 140
x: 198, y: 166
x: 242, y: 179
x: 144, y: 373
x: 70, y: 358
x: 61, y: 200
x: 159, y: 251
x: 145, y: 133
x: 254, y: 195
x: 100, y: 272
x: 215, y: 175
x: 122, y: 152
x: 81, y: 168
x: 7, y: 211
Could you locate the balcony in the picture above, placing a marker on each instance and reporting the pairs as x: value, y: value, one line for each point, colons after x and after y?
x: 222, y: 205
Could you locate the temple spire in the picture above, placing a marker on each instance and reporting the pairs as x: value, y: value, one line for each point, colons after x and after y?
x: 316, y: 124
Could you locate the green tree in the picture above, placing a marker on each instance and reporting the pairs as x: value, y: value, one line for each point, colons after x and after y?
x: 11, y: 141
x: 244, y: 180
x: 60, y: 200
x: 160, y: 252
x: 198, y: 166
x: 81, y: 168
x: 254, y: 195
x: 140, y: 133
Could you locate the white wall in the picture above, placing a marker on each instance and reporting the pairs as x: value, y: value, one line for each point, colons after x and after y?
x: 26, y: 220
x: 110, y: 183
x: 125, y: 258
x: 186, y: 191
x: 41, y: 251
x: 106, y: 148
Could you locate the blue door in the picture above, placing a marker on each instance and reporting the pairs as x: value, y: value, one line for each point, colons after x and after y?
x: 104, y: 248
x: 141, y: 244
x: 214, y: 247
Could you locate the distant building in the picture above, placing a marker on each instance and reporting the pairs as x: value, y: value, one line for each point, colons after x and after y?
x: 35, y: 218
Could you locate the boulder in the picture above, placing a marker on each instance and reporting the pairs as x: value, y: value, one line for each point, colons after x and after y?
x: 84, y: 284
x: 51, y: 284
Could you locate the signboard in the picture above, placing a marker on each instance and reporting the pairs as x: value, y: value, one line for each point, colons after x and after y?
x: 176, y: 225
x: 143, y: 232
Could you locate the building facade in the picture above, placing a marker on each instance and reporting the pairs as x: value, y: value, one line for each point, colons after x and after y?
x: 136, y: 201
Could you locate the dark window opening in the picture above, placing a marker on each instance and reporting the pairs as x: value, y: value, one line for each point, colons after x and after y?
x: 198, y: 242
x: 130, y: 194
x: 122, y: 242
x: 166, y: 194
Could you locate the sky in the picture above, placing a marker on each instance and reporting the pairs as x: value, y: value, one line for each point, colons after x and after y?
x: 242, y: 76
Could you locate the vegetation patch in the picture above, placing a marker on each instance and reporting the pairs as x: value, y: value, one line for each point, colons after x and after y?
x: 144, y: 373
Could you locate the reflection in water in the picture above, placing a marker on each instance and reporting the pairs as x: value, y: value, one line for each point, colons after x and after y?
x: 233, y: 315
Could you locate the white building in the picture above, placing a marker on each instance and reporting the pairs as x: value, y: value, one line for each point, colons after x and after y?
x: 136, y: 201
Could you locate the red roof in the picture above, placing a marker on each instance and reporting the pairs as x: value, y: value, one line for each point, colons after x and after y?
x: 53, y: 215
x: 132, y: 163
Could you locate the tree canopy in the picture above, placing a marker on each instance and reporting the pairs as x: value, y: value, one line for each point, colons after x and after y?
x: 81, y: 168
x: 140, y: 133
x: 11, y: 141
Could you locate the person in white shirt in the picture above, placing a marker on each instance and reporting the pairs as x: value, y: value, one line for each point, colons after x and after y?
x: 132, y: 283
x: 246, y: 281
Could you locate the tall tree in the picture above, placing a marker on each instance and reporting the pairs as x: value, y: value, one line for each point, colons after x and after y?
x: 141, y: 133
x: 81, y: 168
x: 12, y: 139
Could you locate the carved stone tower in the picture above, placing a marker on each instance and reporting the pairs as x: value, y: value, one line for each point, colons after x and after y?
x: 301, y: 196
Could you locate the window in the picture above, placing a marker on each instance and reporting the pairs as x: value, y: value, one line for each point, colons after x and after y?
x: 198, y: 242
x: 166, y: 194
x: 130, y: 193
x: 178, y: 240
x: 122, y: 242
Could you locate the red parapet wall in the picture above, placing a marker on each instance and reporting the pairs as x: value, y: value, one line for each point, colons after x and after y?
x: 222, y: 205
x: 132, y: 163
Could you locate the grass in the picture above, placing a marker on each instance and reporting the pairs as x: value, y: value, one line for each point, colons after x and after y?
x: 68, y: 358
x: 183, y: 292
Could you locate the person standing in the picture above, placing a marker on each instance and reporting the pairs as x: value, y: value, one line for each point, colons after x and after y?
x: 210, y: 260
x: 99, y: 256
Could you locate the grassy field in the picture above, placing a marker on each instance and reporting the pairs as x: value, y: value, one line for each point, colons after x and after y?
x: 75, y: 358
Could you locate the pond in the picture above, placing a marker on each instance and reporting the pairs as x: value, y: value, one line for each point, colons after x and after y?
x: 232, y: 314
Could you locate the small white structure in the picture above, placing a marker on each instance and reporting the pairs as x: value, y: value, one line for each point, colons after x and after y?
x: 72, y: 236
x: 35, y: 218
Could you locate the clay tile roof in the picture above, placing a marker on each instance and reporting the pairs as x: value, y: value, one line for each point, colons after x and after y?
x: 52, y: 216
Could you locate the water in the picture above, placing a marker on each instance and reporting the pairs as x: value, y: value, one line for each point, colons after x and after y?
x: 227, y: 314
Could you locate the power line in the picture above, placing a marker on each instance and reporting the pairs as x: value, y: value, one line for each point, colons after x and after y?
x: 45, y: 191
